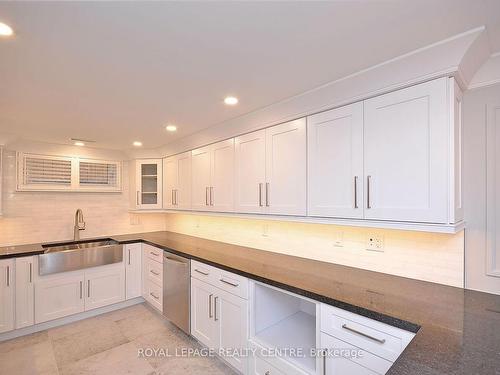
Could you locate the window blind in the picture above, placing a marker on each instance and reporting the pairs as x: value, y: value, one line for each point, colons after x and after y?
x: 98, y: 174
x: 46, y: 171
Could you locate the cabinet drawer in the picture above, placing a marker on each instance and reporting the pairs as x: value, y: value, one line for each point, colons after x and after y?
x: 375, y: 337
x: 154, y: 295
x: 228, y: 281
x: 154, y: 271
x: 354, y: 361
x: 153, y: 253
x: 263, y: 367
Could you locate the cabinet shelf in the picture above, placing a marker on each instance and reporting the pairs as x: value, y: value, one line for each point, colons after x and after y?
x: 296, y: 331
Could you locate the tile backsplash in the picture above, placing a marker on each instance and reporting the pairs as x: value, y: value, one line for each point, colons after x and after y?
x: 30, y: 217
x: 425, y: 256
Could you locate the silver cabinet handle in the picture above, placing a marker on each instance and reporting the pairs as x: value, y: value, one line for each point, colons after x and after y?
x: 81, y: 289
x: 368, y: 203
x: 154, y: 273
x: 175, y: 196
x: 355, y: 191
x: 129, y: 257
x: 31, y: 272
x: 260, y: 194
x: 324, y: 361
x: 172, y: 198
x: 203, y: 273
x: 215, y: 308
x: 211, y: 195
x: 8, y: 275
x: 267, y: 194
x: 137, y: 197
x: 381, y: 341
x: 210, y: 305
x: 88, y: 288
x: 153, y: 295
x: 206, y: 196
x: 228, y: 282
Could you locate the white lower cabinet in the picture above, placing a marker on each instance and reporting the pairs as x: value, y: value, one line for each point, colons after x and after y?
x: 152, y: 276
x: 25, y: 292
x: 69, y: 293
x: 6, y: 295
x: 219, y: 320
x: 104, y: 286
x: 133, y: 270
x: 59, y: 295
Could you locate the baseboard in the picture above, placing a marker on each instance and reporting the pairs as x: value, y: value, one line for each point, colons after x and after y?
x: 68, y: 319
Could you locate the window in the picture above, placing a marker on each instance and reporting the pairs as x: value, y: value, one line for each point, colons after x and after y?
x: 54, y: 173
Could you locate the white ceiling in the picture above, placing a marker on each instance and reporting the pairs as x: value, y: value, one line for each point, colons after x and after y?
x: 117, y: 72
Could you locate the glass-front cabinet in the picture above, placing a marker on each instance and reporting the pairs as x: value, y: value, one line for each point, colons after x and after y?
x: 148, y: 183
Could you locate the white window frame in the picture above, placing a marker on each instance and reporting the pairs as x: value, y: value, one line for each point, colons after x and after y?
x: 75, y: 175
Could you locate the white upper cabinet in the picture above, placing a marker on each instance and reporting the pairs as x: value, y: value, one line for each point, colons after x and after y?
x: 271, y: 170
x: 286, y: 168
x: 250, y: 172
x: 177, y: 181
x: 335, y: 163
x: 406, y: 154
x: 212, y: 177
x: 148, y: 184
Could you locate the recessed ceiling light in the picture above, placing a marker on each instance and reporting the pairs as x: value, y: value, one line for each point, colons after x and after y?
x: 171, y: 128
x: 137, y: 144
x: 231, y: 100
x: 5, y: 30
x: 79, y: 143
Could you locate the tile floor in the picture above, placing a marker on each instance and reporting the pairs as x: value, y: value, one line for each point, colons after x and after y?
x: 109, y: 345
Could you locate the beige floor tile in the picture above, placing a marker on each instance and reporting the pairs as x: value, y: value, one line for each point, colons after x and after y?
x: 138, y: 325
x: 120, y: 360
x: 23, y: 341
x: 194, y: 366
x: 83, y: 344
x: 79, y: 326
x: 135, y: 310
x: 36, y: 359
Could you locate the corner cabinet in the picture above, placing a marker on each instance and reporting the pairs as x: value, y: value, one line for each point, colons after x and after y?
x: 395, y: 157
x: 148, y: 183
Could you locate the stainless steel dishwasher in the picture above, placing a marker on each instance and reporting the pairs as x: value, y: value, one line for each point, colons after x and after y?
x: 176, y: 290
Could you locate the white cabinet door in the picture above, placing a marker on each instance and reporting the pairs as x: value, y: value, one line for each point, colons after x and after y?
x: 356, y: 361
x: 406, y: 147
x: 25, y: 292
x: 7, y: 281
x: 133, y: 270
x: 182, y: 192
x: 222, y: 176
x: 149, y: 184
x: 104, y: 286
x: 231, y: 314
x: 203, y: 325
x: 58, y: 296
x: 250, y: 172
x: 200, y: 185
x: 335, y: 163
x: 286, y: 168
x: 169, y: 181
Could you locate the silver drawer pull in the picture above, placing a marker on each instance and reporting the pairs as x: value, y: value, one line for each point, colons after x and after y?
x: 381, y: 341
x: 203, y: 273
x: 228, y: 282
x: 155, y: 273
x: 154, y: 254
x: 152, y: 295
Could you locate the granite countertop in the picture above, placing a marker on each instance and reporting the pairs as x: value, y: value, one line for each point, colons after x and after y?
x: 457, y: 330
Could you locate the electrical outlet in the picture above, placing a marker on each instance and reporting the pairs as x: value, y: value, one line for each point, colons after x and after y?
x: 265, y: 230
x: 375, y: 242
x: 338, y: 239
x: 135, y: 219
x: 197, y: 223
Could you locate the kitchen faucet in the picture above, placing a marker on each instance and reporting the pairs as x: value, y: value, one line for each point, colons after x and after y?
x: 79, y: 224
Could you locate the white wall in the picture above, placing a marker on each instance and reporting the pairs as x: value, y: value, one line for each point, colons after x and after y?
x: 480, y: 106
x: 425, y: 256
x: 31, y: 217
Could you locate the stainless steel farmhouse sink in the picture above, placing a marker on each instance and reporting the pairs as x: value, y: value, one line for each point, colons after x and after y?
x: 76, y: 255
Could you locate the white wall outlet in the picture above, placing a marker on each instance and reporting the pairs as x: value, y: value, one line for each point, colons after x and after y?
x: 375, y: 242
x: 338, y: 239
x: 197, y: 223
x: 135, y: 219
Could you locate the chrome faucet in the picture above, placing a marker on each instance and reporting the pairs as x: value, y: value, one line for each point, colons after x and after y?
x: 79, y: 224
